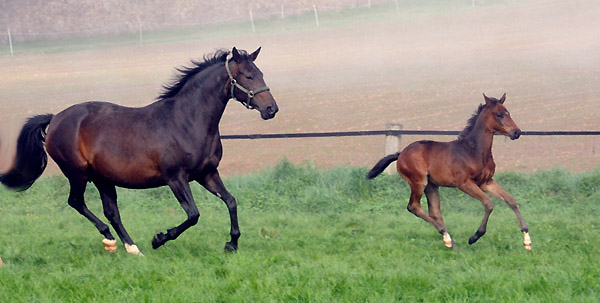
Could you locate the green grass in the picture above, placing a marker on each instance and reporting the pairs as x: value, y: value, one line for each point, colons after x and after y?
x: 308, y: 235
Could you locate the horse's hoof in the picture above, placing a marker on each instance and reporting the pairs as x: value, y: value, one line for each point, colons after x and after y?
x: 229, y: 247
x: 448, y: 242
x: 133, y: 250
x: 473, y: 239
x: 526, y: 241
x: 158, y: 240
x: 110, y: 245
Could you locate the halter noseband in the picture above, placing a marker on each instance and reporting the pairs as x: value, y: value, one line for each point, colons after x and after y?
x: 250, y: 93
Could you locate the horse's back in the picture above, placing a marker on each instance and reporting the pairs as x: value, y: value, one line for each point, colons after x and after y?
x: 423, y: 160
x: 105, y: 138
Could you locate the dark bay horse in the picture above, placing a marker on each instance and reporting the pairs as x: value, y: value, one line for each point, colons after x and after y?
x: 465, y: 163
x: 170, y: 142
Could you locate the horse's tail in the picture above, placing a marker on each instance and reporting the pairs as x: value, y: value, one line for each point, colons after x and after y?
x: 381, y: 165
x: 31, y: 158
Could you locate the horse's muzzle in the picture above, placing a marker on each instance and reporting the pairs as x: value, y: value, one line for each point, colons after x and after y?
x: 269, y: 112
x: 515, y: 134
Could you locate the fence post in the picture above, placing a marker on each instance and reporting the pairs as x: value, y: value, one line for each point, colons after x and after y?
x: 252, y: 22
x: 316, y: 14
x: 282, y: 12
x: 10, y: 42
x: 141, y: 33
x: 392, y: 145
x: 397, y: 7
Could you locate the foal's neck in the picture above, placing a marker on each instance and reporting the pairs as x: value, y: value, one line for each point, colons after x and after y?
x: 481, y: 139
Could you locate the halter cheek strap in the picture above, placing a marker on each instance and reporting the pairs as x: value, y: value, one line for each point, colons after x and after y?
x: 250, y: 93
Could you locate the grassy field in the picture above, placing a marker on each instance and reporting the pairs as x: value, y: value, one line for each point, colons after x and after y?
x: 308, y: 235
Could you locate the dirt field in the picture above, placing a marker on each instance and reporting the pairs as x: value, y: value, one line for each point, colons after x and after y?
x: 423, y: 69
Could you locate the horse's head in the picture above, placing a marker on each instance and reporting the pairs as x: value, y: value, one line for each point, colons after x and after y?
x: 248, y: 85
x: 499, y: 117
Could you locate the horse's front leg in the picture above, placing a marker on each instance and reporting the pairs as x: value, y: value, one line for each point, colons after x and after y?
x: 180, y: 187
x: 470, y: 188
x: 494, y: 189
x: 213, y: 183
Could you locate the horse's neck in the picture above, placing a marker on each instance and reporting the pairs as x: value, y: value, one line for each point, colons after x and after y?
x: 204, y: 102
x: 481, y: 139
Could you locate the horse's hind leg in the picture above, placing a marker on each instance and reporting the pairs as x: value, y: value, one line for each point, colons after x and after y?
x: 77, y: 201
x: 494, y: 189
x: 435, y: 212
x: 108, y: 194
x: 183, y: 193
x: 213, y: 183
x: 414, y: 206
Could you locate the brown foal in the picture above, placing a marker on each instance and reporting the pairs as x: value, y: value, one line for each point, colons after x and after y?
x: 465, y: 163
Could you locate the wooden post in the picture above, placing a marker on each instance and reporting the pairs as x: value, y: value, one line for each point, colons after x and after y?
x: 392, y: 145
x: 141, y: 33
x: 282, y: 12
x: 252, y: 22
x: 10, y: 42
x: 316, y: 14
x: 397, y: 7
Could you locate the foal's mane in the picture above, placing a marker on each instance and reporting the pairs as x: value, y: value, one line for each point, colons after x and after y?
x: 170, y: 90
x: 471, y: 122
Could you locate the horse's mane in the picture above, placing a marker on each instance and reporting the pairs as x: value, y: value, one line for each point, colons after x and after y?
x: 170, y: 90
x: 471, y: 122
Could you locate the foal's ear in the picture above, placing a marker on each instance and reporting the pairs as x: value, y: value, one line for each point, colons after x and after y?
x: 236, y: 55
x: 255, y: 54
x: 488, y: 101
x: 502, y: 99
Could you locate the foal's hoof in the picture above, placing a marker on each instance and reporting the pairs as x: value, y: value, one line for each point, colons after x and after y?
x: 229, y: 247
x: 476, y: 237
x: 448, y: 242
x: 158, y: 240
x: 473, y: 239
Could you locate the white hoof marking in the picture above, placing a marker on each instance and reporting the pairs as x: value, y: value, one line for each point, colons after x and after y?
x: 133, y: 250
x: 1, y: 263
x: 110, y: 245
x: 526, y: 240
x: 447, y: 240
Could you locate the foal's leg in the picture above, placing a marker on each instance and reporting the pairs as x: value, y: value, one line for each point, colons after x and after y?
x: 183, y: 193
x: 108, y: 194
x: 213, y: 183
x: 77, y: 202
x: 470, y: 188
x: 435, y: 212
x: 494, y: 189
x: 414, y: 206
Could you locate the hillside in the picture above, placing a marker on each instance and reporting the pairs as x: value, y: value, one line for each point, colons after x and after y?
x: 40, y: 19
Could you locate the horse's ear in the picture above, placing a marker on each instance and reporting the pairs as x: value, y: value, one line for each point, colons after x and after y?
x: 502, y: 99
x: 236, y: 55
x: 488, y: 101
x: 255, y: 54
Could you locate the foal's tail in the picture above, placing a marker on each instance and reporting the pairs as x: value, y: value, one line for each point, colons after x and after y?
x: 381, y: 165
x: 31, y: 158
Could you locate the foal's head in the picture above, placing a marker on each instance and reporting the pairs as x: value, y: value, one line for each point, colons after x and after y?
x: 498, y: 118
x: 248, y: 85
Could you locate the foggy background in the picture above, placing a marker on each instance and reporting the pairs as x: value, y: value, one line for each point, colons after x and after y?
x: 423, y: 64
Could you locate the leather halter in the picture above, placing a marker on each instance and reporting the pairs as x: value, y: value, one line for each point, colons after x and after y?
x: 250, y: 93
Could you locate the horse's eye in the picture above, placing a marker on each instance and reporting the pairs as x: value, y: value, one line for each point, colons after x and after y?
x: 249, y: 77
x: 500, y: 115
